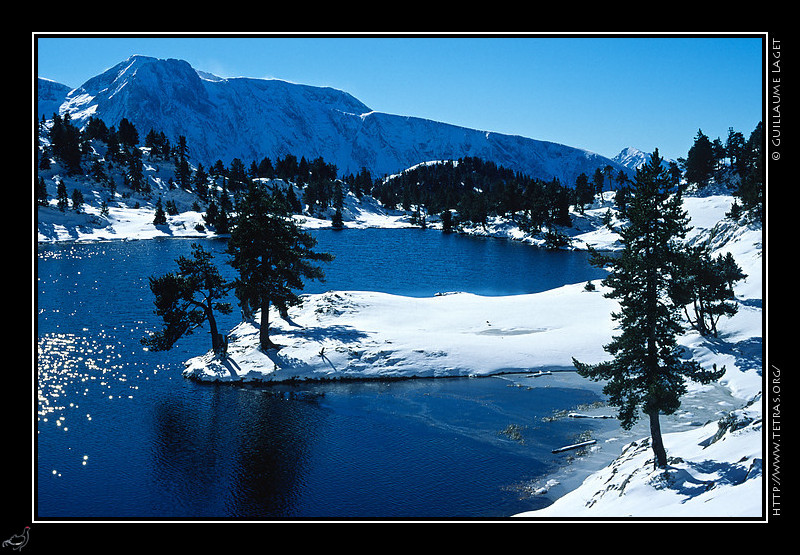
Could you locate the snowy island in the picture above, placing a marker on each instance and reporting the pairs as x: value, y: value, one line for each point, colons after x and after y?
x: 715, y: 467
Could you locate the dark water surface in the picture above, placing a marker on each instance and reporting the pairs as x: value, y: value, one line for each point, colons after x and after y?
x: 121, y: 434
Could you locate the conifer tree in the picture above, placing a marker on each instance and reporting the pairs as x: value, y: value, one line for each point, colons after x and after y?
x: 237, y: 175
x: 272, y: 256
x: 647, y: 370
x: 751, y: 188
x: 113, y: 151
x: 182, y: 170
x: 61, y: 195
x: 187, y: 298
x: 598, y: 180
x: 225, y: 207
x: 41, y: 191
x: 292, y: 201
x: 447, y: 221
x: 96, y: 129
x: 583, y: 192
x: 735, y: 150
x: 160, y: 217
x: 336, y: 220
x: 200, y: 182
x: 65, y: 139
x: 706, y: 284
x: 135, y: 174
x: 700, y: 161
x: 265, y: 168
x: 77, y: 200
x: 212, y: 213
x: 127, y: 135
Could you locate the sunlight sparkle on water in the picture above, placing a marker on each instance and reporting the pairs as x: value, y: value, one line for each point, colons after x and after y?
x: 70, y: 364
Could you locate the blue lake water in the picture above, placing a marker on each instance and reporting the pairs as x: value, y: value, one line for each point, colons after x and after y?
x: 121, y: 434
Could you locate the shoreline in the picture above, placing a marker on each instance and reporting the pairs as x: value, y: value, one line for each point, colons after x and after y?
x: 741, y: 383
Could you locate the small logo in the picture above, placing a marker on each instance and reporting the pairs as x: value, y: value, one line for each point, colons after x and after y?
x: 18, y: 541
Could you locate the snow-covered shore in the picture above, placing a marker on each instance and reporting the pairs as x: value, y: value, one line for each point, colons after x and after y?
x: 364, y: 334
x: 715, y: 467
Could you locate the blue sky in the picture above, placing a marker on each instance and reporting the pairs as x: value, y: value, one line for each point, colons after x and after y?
x: 599, y: 93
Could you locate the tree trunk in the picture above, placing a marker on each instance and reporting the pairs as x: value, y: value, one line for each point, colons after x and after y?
x: 216, y: 337
x: 263, y: 333
x: 658, y: 444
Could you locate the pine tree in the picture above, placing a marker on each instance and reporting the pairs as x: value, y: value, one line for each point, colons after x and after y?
x: 700, y: 161
x: 225, y: 207
x: 336, y: 220
x: 212, y: 212
x: 751, y: 188
x: 61, y: 196
x: 77, y: 200
x: 272, y: 256
x: 160, y: 217
x: 182, y: 171
x: 647, y: 370
x: 96, y: 129
x: 265, y: 169
x: 187, y: 298
x: 65, y: 139
x: 127, y: 135
x: 447, y: 221
x: 135, y: 172
x: 598, y: 180
x: 200, y: 182
x: 237, y: 175
x: 113, y: 151
x: 706, y: 284
x: 338, y: 195
x: 41, y: 192
x: 735, y: 150
x: 292, y: 201
x: 583, y: 192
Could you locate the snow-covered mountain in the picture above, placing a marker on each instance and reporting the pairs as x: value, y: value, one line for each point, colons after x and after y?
x: 49, y: 97
x: 249, y: 119
x: 632, y: 158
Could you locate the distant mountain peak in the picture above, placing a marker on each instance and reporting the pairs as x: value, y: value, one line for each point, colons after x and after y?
x: 632, y: 158
x: 250, y: 119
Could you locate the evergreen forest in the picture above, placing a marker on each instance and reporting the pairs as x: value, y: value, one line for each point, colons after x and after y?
x: 466, y: 191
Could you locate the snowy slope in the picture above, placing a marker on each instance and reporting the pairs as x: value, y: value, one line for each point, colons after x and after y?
x: 714, y: 442
x: 49, y: 97
x: 249, y: 119
x: 716, y: 470
x: 713, y: 471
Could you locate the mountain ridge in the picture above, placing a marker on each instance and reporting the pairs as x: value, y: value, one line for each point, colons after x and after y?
x: 632, y: 158
x: 250, y: 119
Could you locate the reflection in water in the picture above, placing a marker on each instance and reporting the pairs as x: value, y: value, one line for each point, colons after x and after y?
x: 273, y: 455
x: 121, y: 434
x: 249, y: 442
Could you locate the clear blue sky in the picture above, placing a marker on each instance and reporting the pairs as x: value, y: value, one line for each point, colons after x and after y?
x: 600, y: 93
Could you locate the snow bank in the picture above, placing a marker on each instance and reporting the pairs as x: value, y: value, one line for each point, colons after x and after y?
x: 714, y: 471
x: 121, y: 224
x: 354, y: 334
